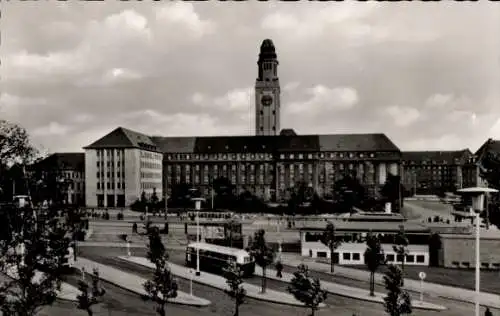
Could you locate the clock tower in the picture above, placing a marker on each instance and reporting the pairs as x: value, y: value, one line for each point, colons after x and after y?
x: 267, y: 92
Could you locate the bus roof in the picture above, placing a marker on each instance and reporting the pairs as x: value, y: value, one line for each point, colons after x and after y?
x: 219, y: 249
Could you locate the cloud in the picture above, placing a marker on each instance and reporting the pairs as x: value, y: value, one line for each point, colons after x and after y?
x: 236, y: 100
x: 323, y: 99
x: 12, y: 106
x: 403, y: 116
x: 110, y: 77
x: 193, y: 66
x: 53, y: 129
x: 184, y: 14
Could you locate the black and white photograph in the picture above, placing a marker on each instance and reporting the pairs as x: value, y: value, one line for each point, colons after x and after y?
x: 249, y: 158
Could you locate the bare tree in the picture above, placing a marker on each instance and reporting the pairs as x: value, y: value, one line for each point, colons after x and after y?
x: 90, y: 294
x: 330, y: 240
x: 236, y: 291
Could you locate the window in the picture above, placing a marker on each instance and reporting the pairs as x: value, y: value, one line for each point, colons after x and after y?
x: 98, y: 174
x: 356, y: 256
x: 410, y: 258
x: 98, y: 186
x: 346, y: 256
x: 455, y: 263
x: 108, y: 185
x: 321, y: 254
x: 485, y: 265
x: 399, y: 258
x: 420, y: 258
x: 466, y: 264
x: 390, y: 258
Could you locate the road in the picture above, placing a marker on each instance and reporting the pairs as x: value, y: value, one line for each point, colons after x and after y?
x: 336, y: 305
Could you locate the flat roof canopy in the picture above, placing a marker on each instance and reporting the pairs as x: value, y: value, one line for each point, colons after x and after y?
x: 477, y: 190
x: 367, y: 226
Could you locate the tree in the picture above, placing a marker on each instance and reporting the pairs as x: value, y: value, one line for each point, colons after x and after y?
x: 224, y: 193
x: 90, y: 295
x: 307, y: 289
x: 163, y: 285
x: 154, y: 201
x: 490, y: 172
x: 392, y: 191
x: 156, y: 249
x: 330, y: 240
x: 398, y: 301
x: 348, y: 192
x: 34, y: 253
x: 263, y: 254
x: 15, y: 145
x: 373, y: 258
x: 234, y: 281
x: 400, y: 247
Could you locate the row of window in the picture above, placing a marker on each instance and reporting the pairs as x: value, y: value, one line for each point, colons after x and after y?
x: 151, y: 155
x: 150, y: 185
x: 110, y: 153
x: 111, y: 185
x: 484, y: 265
x: 234, y: 156
x: 151, y: 165
x: 151, y: 175
x: 109, y: 164
x: 110, y: 174
x: 431, y: 162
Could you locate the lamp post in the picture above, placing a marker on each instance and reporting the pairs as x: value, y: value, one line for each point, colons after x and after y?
x: 478, y: 194
x: 197, y: 205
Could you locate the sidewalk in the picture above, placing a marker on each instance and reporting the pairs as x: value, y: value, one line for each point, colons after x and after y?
x: 67, y: 292
x: 348, y: 291
x: 464, y: 295
x: 124, y: 245
x: 133, y: 282
x: 219, y: 282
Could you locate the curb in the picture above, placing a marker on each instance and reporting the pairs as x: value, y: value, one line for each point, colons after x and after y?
x: 256, y: 297
x: 429, y: 294
x: 201, y: 304
x: 373, y: 299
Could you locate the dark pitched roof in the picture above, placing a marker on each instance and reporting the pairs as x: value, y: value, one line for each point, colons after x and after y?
x: 490, y: 146
x: 288, y: 132
x: 124, y: 138
x: 356, y: 142
x: 450, y: 157
x: 281, y: 143
x: 67, y: 161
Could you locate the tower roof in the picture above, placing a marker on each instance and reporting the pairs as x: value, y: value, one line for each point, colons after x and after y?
x: 267, y: 50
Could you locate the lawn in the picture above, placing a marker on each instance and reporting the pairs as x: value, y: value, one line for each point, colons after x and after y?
x: 463, y: 278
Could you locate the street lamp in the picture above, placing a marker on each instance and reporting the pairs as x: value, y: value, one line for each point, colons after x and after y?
x: 197, y: 205
x: 477, y: 194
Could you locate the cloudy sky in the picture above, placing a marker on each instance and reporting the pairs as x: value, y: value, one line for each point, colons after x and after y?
x: 427, y: 75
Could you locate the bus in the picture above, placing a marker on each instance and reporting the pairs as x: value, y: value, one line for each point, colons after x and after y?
x: 214, y: 258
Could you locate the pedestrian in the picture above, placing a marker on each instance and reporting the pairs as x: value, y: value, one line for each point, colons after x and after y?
x: 134, y: 228
x: 488, y: 312
x: 279, y: 269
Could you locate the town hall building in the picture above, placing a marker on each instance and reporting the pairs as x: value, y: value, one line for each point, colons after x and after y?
x: 124, y: 163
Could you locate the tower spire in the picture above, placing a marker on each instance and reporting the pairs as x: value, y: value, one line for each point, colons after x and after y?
x: 267, y: 91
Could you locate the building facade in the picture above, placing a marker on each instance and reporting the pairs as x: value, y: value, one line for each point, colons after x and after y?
x: 352, y: 236
x: 432, y: 172
x: 120, y: 166
x: 268, y: 166
x: 68, y: 168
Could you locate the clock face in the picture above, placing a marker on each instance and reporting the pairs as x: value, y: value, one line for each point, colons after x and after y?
x: 266, y: 100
